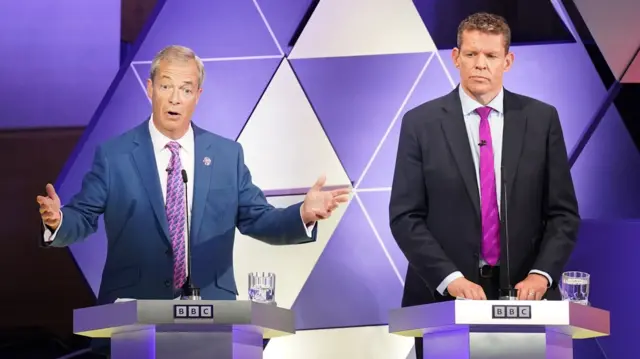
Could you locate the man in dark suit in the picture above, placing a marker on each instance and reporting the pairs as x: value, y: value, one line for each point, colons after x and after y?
x: 136, y: 182
x: 448, y: 204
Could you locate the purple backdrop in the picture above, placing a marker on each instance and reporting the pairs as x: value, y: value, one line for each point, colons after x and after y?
x: 58, y: 63
x: 359, y: 101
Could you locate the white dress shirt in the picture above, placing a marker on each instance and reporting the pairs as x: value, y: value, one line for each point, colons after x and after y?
x: 496, y: 124
x: 163, y: 156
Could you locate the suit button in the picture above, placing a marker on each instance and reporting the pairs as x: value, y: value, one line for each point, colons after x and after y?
x: 476, y: 255
x: 167, y: 283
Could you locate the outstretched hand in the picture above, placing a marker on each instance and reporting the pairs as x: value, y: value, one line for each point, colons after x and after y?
x: 50, y: 207
x: 319, y: 204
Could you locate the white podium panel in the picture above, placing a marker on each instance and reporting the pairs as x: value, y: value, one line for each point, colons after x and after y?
x: 163, y: 329
x: 499, y: 329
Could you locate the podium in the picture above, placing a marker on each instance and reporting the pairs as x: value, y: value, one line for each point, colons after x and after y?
x: 499, y: 329
x: 184, y: 329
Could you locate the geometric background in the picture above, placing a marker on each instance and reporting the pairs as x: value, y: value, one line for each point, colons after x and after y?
x: 331, y: 101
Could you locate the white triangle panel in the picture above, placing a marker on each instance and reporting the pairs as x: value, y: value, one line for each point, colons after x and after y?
x: 292, y: 265
x: 363, y: 27
x: 341, y: 343
x: 284, y: 145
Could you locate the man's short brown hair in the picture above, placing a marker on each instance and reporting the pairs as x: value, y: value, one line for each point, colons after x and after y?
x: 487, y: 23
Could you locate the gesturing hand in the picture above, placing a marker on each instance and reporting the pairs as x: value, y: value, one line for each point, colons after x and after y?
x: 319, y: 204
x: 50, y: 208
x: 464, y: 288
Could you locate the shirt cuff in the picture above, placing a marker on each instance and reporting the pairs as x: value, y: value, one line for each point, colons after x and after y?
x: 447, y: 280
x: 48, y: 236
x: 308, y: 228
x: 545, y: 274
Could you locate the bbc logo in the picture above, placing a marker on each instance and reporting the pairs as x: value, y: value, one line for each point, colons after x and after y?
x: 511, y: 312
x: 192, y: 311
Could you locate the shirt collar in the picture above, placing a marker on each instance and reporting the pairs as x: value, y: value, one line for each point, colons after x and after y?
x: 160, y: 141
x: 469, y: 104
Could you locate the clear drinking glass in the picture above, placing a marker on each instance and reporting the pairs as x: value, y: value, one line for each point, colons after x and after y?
x: 262, y: 287
x: 575, y: 287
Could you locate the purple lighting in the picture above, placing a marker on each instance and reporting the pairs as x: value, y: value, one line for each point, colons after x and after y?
x: 57, y: 65
x: 359, y: 102
x: 356, y: 98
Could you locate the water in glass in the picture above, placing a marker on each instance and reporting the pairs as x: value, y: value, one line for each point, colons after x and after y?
x: 575, y: 287
x: 262, y: 287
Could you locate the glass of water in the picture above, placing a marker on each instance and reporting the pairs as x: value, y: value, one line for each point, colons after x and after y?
x: 575, y: 287
x: 262, y: 287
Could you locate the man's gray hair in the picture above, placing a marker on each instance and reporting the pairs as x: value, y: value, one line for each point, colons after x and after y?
x: 177, y: 52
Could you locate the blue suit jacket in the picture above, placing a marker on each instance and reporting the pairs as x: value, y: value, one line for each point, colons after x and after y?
x: 123, y: 185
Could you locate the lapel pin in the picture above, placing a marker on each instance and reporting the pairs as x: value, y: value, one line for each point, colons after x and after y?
x: 206, y: 161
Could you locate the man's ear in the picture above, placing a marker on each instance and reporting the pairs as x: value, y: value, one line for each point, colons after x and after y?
x: 455, y: 57
x: 149, y: 88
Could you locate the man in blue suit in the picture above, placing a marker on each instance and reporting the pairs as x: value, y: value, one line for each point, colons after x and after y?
x: 136, y: 181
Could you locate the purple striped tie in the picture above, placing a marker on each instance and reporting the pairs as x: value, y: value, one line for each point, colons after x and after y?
x: 488, y: 196
x: 175, y: 209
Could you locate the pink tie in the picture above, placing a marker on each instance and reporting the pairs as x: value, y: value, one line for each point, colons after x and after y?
x: 488, y: 196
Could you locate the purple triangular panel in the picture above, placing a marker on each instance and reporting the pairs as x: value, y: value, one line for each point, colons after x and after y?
x: 607, y: 173
x: 230, y: 93
x: 561, y: 75
x: 605, y: 249
x: 356, y: 98
x: 284, y: 17
x: 127, y: 108
x: 211, y: 28
x: 353, y: 283
x: 376, y: 204
x: 434, y: 83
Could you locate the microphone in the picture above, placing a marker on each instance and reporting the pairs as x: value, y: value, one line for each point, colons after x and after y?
x: 482, y: 143
x: 508, y: 293
x: 190, y: 292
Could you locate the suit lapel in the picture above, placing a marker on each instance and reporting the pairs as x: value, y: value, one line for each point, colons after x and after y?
x: 203, y: 166
x: 458, y: 140
x: 515, y: 124
x: 147, y: 168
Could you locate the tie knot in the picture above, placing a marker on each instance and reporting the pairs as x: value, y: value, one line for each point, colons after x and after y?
x: 173, y: 146
x: 484, y: 112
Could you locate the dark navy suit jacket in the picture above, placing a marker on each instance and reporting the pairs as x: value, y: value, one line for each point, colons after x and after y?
x: 123, y: 185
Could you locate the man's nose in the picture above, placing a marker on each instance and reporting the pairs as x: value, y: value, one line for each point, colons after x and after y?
x: 481, y: 62
x: 174, y: 99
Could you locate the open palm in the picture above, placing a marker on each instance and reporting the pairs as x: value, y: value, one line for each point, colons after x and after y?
x: 319, y: 204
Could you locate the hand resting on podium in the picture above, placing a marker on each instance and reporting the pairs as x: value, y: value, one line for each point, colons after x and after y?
x: 464, y: 288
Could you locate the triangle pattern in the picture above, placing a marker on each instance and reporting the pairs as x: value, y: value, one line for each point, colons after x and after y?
x: 372, y: 342
x: 353, y: 283
x: 433, y: 83
x: 577, y: 96
x: 231, y: 91
x: 376, y: 205
x: 282, y: 138
x: 609, y: 22
x: 604, y: 250
x: 128, y: 107
x: 356, y: 98
x: 607, y: 173
x: 291, y: 264
x: 566, y: 19
x: 210, y: 28
x: 284, y: 17
x: 363, y: 27
x: 633, y: 72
